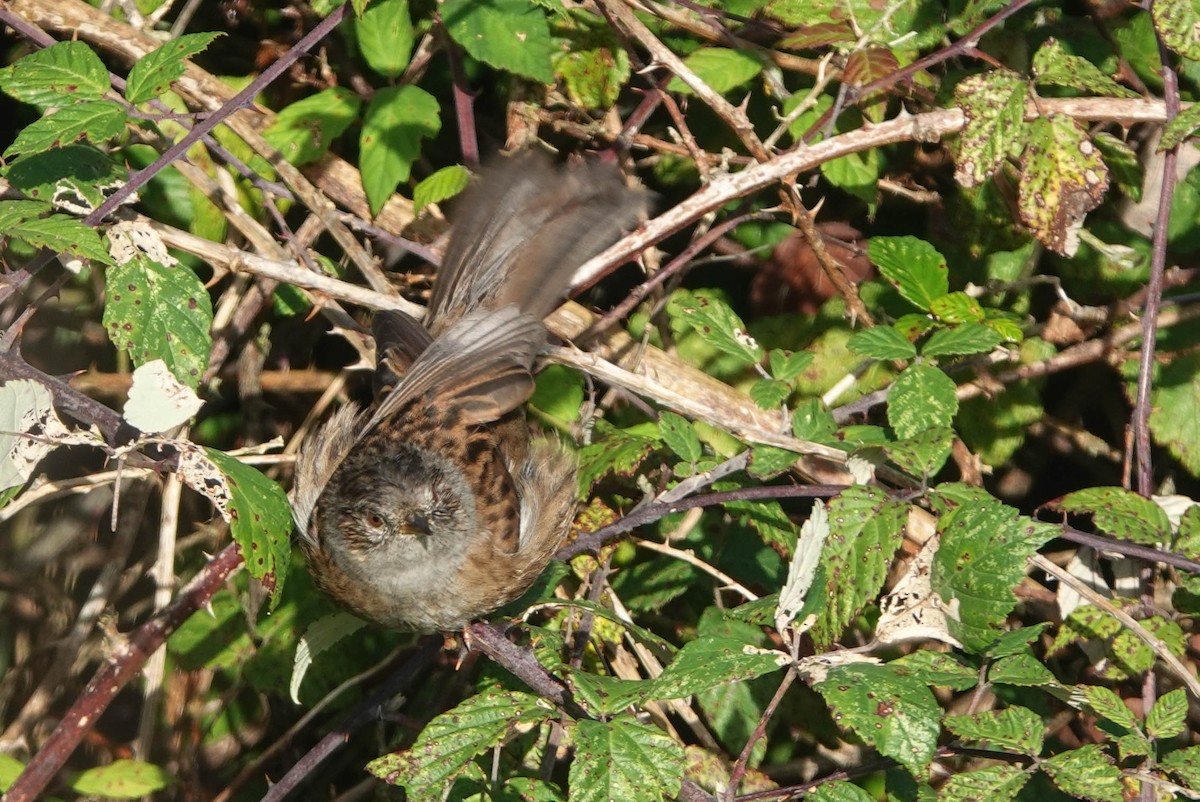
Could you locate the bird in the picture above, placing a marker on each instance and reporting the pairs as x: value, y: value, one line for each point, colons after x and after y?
x: 437, y: 504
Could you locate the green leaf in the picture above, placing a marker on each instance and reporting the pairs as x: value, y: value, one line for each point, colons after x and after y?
x: 397, y: 120
x: 982, y: 558
x: 508, y: 34
x: 442, y: 185
x: 97, y: 121
x: 1054, y: 66
x: 1062, y: 179
x: 156, y: 312
x: 1105, y: 703
x: 922, y: 397
x: 618, y: 451
x: 1168, y: 717
x: 594, y: 67
x: 385, y: 36
x: 866, y: 528
x: 897, y: 715
x: 1175, y: 410
x: 838, y: 791
x: 1181, y: 127
x: 812, y: 421
x: 857, y: 173
x: 764, y: 516
x: 680, y: 436
x: 260, y: 520
x: 10, y: 769
x: 626, y: 760
x: 122, y: 779
x: 994, y: 784
x: 1178, y: 24
x: 707, y: 662
x: 74, y: 177
x: 1016, y: 641
x: 717, y: 324
x: 769, y: 394
x: 957, y: 307
x: 448, y: 745
x: 936, y: 668
x: 1184, y: 764
x: 995, y: 428
x: 304, y: 130
x: 883, y: 343
x: 1087, y: 773
x: 960, y: 340
x: 1023, y: 670
x: 923, y: 454
x: 787, y: 365
x: 994, y: 106
x: 1121, y: 513
x: 913, y: 265
x: 1014, y: 729
x: 721, y: 68
x: 58, y: 233
x: 64, y: 73
x: 152, y: 74
x: 606, y: 696
x: 767, y: 462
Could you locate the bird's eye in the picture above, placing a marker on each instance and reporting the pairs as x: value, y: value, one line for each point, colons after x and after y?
x: 375, y: 520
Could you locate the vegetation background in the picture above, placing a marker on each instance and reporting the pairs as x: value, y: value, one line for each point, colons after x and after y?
x: 888, y: 418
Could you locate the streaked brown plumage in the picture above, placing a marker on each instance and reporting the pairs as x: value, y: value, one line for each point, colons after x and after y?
x: 435, y: 505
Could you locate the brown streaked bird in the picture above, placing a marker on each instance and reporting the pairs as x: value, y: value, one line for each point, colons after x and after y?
x: 436, y: 505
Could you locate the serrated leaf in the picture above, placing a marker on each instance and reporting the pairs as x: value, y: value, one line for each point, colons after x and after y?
x: 767, y: 462
x: 707, y: 662
x: 858, y: 174
x: 1121, y: 513
x: 680, y: 436
x: 866, y: 528
x: 1132, y: 656
x: 787, y: 365
x: 1184, y: 764
x: 936, y: 668
x: 897, y: 715
x: 122, y: 779
x: 63, y: 73
x: 1168, y: 717
x: 1087, y: 773
x: 1016, y: 641
x: 957, y: 307
x: 961, y: 340
x: 1182, y: 126
x: 618, y: 451
x: 922, y: 397
x: 769, y: 394
x: 151, y: 76
x: 994, y: 106
x: 1178, y: 25
x: 923, y: 454
x: 73, y: 177
x: 1054, y: 66
x: 447, y: 746
x: 722, y: 68
x: 385, y: 36
x: 981, y: 559
x: 914, y: 266
x: 442, y: 185
x: 155, y: 312
x: 764, y: 516
x: 1023, y: 670
x: 1105, y: 703
x: 717, y: 324
x: 838, y: 791
x: 883, y: 343
x: 606, y: 696
x: 397, y: 120
x: 1123, y: 166
x: 96, y: 121
x: 1014, y: 729
x: 304, y: 130
x: 508, y: 34
x: 260, y: 520
x: 992, y: 784
x: 812, y: 421
x: 624, y: 759
x: 1062, y: 179
x: 863, y: 66
x: 61, y: 234
x: 594, y: 68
